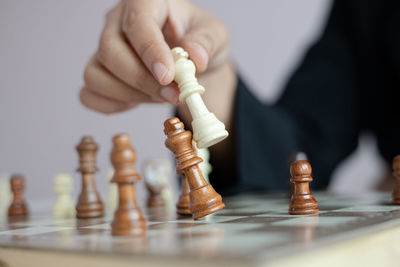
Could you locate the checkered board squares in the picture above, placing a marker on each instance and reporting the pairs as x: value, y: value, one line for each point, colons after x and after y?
x: 315, y: 221
x: 250, y: 227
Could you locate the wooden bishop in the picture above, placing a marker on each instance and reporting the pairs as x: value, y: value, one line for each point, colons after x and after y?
x: 302, y: 201
x: 203, y: 198
x: 18, y: 206
x: 128, y: 218
x: 396, y: 174
x: 89, y: 203
x: 207, y: 129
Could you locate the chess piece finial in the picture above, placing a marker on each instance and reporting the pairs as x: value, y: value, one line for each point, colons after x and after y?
x: 396, y: 174
x: 207, y: 129
x: 203, y: 198
x: 89, y: 204
x: 18, y: 205
x: 128, y: 218
x: 302, y: 201
x: 64, y: 205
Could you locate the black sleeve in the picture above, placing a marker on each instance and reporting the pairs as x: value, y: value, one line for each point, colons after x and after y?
x: 318, y: 114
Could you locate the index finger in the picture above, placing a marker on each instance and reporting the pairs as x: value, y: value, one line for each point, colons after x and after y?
x: 142, y: 24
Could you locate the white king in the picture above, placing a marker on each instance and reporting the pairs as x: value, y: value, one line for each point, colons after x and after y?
x: 207, y: 129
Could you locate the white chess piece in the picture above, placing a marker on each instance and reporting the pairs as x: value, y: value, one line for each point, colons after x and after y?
x: 157, y: 172
x: 207, y: 129
x: 112, y: 194
x: 5, y: 194
x: 301, y: 156
x: 64, y: 206
x: 205, y: 165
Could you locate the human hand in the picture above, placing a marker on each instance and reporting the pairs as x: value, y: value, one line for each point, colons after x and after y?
x: 134, y: 64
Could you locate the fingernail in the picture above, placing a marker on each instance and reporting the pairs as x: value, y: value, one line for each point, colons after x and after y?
x: 157, y: 99
x: 159, y: 71
x: 170, y: 94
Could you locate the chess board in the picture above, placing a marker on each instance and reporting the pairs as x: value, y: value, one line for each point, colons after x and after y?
x: 251, y: 230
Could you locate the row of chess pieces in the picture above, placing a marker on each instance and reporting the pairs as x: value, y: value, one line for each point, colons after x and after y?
x: 123, y: 157
x: 197, y: 198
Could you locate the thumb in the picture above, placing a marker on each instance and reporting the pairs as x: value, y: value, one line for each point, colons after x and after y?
x: 206, y: 41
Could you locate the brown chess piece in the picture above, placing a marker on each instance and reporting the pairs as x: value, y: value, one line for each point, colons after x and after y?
x: 128, y: 218
x: 302, y: 201
x: 203, y: 198
x: 155, y: 198
x: 183, y: 205
x: 18, y: 206
x: 396, y: 174
x: 89, y: 204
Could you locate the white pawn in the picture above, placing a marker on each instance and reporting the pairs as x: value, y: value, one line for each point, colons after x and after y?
x: 157, y: 172
x: 64, y: 207
x: 207, y: 129
x: 5, y: 194
x: 205, y: 165
x: 112, y: 194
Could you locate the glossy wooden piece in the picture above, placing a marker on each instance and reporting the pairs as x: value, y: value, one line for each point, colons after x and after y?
x: 204, y: 200
x: 89, y: 203
x: 128, y: 218
x: 396, y: 174
x: 18, y: 206
x: 183, y: 205
x: 302, y: 200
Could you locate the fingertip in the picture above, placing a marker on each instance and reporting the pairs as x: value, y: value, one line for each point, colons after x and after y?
x: 157, y: 99
x: 132, y: 105
x: 197, y: 54
x: 163, y: 72
x: 170, y: 94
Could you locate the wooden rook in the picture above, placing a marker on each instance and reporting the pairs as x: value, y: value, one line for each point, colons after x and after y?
x: 18, y: 206
x: 396, y: 174
x: 302, y: 201
x: 203, y: 198
x: 89, y: 203
x: 128, y: 218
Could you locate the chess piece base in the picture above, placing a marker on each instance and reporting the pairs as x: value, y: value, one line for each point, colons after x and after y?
x: 302, y: 211
x: 183, y: 205
x: 89, y: 210
x: 208, y: 130
x: 155, y: 201
x: 199, y: 208
x: 18, y: 209
x: 396, y: 196
x: 303, y: 204
x: 128, y: 223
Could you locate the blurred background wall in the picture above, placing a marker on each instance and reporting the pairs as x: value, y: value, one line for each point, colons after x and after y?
x: 45, y: 44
